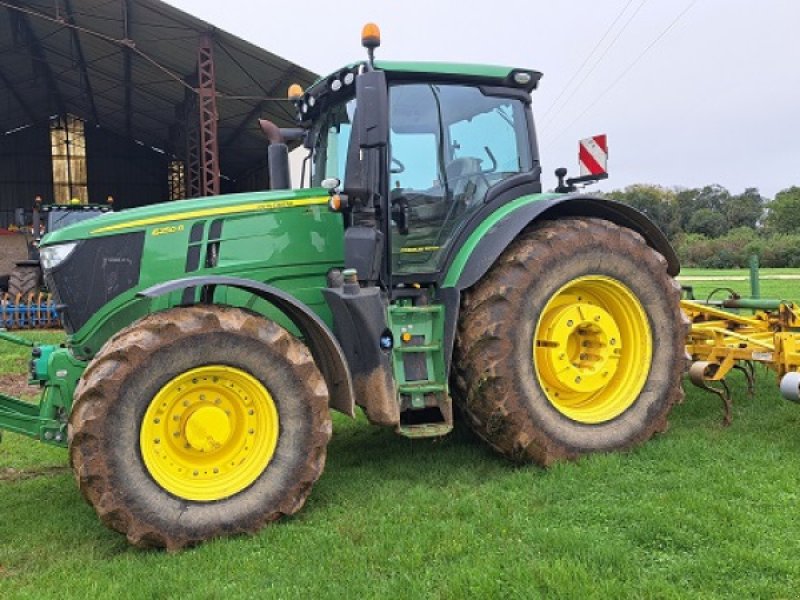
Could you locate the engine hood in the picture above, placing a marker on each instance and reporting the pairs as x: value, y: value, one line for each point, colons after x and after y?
x: 178, y: 213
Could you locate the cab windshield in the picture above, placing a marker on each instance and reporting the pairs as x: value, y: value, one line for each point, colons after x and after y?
x: 331, y: 135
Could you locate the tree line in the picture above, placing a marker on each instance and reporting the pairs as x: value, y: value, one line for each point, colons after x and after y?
x: 712, y: 228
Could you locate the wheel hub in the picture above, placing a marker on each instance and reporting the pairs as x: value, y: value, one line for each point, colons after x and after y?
x: 592, y: 349
x: 207, y: 429
x: 582, y: 347
x: 209, y: 433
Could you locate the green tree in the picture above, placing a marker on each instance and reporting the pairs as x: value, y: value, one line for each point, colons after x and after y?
x: 708, y: 222
x: 745, y: 210
x: 784, y: 212
x: 711, y: 198
x: 656, y: 202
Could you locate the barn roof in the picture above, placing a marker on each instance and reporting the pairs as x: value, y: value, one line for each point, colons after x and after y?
x: 129, y: 66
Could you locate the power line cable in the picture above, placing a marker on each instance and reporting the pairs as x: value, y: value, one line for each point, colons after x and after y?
x: 625, y: 72
x: 598, y: 62
x: 586, y: 60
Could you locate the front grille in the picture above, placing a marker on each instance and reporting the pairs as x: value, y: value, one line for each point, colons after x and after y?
x: 96, y: 272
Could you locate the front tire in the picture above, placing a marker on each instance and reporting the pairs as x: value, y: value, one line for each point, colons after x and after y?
x: 198, y: 423
x: 24, y: 281
x: 572, y: 343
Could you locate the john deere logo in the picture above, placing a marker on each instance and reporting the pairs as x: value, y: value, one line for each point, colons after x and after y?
x: 168, y: 229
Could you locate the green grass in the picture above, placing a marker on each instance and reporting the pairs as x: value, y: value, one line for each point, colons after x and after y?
x: 701, y: 511
x: 781, y: 289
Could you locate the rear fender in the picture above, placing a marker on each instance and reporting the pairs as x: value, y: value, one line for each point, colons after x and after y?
x: 476, y: 256
x: 323, y: 345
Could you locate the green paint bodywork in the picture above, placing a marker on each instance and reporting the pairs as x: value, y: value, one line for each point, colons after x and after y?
x: 288, y: 239
x: 439, y: 68
x: 432, y: 69
x: 425, y: 325
x: 466, y: 250
x: 265, y: 238
x: 59, y: 372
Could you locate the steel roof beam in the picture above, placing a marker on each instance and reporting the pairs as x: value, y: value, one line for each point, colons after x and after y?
x: 207, y: 105
x: 81, y: 59
x: 280, y: 84
x: 18, y: 97
x: 127, y: 58
x: 21, y: 20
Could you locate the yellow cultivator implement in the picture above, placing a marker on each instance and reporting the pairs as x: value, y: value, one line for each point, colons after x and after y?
x: 721, y: 340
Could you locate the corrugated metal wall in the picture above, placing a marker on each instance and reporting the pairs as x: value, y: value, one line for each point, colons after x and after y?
x: 132, y: 173
x: 25, y: 170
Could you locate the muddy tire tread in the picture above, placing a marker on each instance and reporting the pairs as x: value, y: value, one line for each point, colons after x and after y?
x: 123, y: 354
x: 494, y: 409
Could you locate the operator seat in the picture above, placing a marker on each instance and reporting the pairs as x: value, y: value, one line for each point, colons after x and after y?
x: 466, y: 180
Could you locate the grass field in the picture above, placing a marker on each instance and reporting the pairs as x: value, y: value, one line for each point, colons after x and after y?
x: 700, y: 511
x: 739, y: 280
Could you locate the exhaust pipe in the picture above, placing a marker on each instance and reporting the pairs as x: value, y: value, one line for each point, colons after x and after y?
x: 277, y: 156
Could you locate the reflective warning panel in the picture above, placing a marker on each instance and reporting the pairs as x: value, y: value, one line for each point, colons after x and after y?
x: 593, y: 155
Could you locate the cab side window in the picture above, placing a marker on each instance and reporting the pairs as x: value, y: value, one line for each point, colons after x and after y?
x: 448, y: 145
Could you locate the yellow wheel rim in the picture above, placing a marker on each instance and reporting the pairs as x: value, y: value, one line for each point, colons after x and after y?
x: 209, y: 433
x: 592, y: 349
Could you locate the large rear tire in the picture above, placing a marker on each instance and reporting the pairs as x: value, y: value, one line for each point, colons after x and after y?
x: 24, y: 281
x: 198, y: 423
x: 572, y: 343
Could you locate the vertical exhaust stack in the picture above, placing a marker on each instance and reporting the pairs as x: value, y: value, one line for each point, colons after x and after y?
x: 277, y: 156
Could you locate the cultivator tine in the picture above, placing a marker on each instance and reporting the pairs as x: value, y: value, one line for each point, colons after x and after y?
x: 750, y: 375
x: 702, y: 374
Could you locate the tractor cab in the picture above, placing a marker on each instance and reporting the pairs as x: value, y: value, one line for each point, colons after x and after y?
x: 415, y: 151
x: 415, y: 156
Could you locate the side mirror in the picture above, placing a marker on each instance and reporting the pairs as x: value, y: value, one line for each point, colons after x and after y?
x: 372, y: 110
x: 370, y: 133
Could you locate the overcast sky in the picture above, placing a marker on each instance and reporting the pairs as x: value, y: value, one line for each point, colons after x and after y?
x: 716, y: 99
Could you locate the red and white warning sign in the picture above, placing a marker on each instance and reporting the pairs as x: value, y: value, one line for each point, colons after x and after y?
x: 593, y: 155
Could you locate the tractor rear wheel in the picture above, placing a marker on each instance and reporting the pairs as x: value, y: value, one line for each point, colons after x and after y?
x: 23, y: 281
x: 197, y: 423
x: 572, y: 343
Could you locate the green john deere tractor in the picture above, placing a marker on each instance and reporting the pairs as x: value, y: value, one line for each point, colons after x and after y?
x: 422, y: 266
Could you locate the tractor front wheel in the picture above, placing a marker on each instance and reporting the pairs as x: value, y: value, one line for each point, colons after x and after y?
x: 197, y: 423
x: 572, y: 343
x: 24, y: 281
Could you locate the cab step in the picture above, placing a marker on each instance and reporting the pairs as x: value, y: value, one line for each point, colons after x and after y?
x: 426, y: 408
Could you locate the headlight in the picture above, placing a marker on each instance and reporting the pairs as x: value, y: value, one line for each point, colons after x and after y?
x: 52, y: 256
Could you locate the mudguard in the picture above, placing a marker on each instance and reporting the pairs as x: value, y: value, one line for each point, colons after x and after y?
x: 501, y: 233
x: 323, y: 345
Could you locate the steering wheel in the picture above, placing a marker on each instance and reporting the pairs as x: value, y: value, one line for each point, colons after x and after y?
x: 398, y: 169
